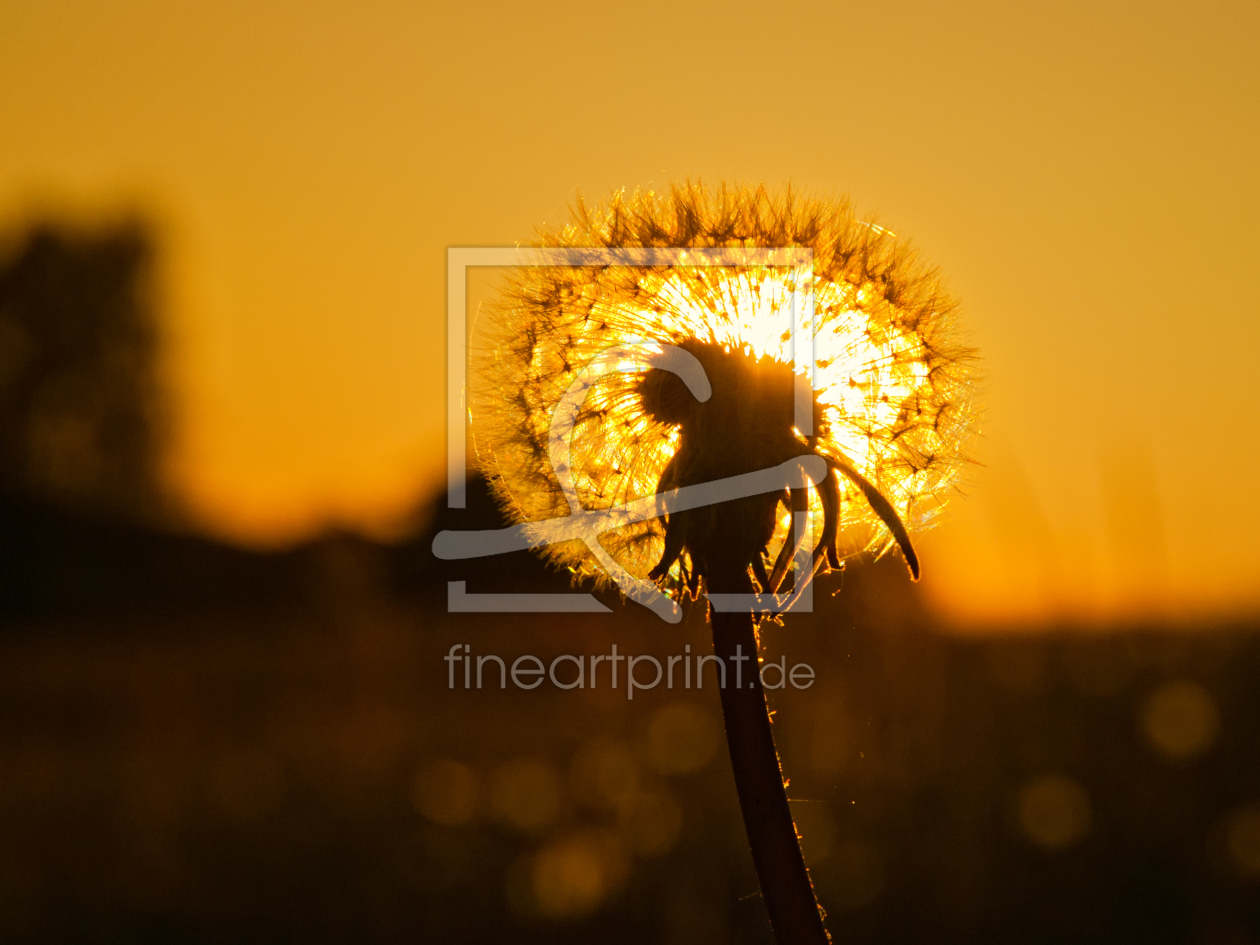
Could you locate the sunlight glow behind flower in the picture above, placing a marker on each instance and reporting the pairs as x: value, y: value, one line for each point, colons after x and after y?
x: 892, y: 387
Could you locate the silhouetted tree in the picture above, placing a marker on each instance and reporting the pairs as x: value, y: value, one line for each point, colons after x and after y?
x: 81, y: 417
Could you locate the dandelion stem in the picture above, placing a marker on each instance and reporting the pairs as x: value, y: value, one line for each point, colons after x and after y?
x: 785, y: 884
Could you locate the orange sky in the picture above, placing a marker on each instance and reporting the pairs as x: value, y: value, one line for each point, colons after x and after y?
x: 1083, y: 173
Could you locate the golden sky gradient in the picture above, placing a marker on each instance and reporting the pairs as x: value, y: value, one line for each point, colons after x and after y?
x: 1084, y: 174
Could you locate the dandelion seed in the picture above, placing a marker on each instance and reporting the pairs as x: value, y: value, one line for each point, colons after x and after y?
x: 891, y: 387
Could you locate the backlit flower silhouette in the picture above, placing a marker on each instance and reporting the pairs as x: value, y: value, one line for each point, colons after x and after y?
x: 890, y: 398
x: 606, y: 383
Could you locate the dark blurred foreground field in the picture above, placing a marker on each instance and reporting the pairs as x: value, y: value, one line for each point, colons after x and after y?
x: 202, y: 743
x: 265, y: 748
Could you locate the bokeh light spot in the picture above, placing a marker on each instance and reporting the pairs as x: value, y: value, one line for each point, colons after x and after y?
x: 604, y: 776
x: 525, y: 795
x: 816, y: 828
x: 446, y: 792
x: 1242, y: 839
x: 652, y: 825
x: 1053, y: 812
x: 247, y: 785
x: 575, y: 875
x: 1180, y: 720
x: 857, y: 874
x: 682, y: 739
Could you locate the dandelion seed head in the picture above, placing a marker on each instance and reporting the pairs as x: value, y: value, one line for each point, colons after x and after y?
x: 892, y: 388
